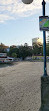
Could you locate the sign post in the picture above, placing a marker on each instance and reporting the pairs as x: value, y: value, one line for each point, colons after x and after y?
x: 44, y: 42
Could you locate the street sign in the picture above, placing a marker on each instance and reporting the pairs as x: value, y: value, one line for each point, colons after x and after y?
x: 44, y: 23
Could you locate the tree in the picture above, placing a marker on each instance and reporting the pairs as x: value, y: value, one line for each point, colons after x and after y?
x: 25, y: 51
x: 14, y: 55
x: 14, y: 50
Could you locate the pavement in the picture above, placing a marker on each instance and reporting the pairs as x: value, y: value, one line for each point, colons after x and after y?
x: 20, y: 86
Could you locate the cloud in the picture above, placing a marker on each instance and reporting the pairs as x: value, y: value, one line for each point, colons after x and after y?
x: 4, y: 17
x: 11, y: 9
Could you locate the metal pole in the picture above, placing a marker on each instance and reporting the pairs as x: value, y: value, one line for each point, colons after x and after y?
x: 44, y: 42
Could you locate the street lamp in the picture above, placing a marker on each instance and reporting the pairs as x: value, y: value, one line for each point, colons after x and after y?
x: 44, y: 34
x: 27, y: 1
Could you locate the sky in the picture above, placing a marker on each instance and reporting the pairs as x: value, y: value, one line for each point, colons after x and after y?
x: 19, y: 23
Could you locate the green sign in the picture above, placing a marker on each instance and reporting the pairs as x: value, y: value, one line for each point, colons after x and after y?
x: 44, y: 23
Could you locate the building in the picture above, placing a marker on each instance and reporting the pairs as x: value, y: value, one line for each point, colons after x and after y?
x: 47, y: 39
x: 36, y: 40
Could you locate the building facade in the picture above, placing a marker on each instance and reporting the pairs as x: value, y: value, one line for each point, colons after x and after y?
x: 36, y: 40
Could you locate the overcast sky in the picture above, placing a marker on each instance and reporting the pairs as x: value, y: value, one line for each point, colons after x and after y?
x: 19, y: 23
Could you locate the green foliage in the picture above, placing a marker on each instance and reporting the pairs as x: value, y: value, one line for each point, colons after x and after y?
x: 14, y: 55
x: 13, y: 52
x: 25, y: 51
x: 21, y: 52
